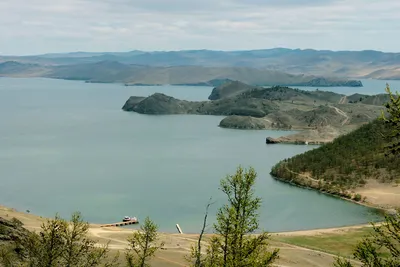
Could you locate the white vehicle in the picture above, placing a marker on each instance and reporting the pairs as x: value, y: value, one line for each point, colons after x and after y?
x: 129, y: 219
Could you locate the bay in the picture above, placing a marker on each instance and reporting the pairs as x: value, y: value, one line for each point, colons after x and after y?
x: 67, y: 146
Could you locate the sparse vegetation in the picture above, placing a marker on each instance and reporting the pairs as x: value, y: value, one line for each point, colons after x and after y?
x: 336, y: 243
x: 381, y: 248
x: 59, y: 243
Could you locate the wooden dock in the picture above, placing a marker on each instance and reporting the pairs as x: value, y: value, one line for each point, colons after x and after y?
x: 119, y: 224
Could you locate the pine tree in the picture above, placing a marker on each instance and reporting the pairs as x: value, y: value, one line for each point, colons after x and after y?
x: 143, y: 245
x: 236, y: 242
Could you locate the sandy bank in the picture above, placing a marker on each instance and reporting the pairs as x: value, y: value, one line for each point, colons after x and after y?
x: 177, y: 245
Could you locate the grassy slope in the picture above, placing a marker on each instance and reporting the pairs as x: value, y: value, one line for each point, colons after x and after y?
x: 342, y: 243
x: 347, y: 162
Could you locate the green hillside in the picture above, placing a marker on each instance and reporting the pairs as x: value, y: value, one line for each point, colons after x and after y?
x: 348, y: 162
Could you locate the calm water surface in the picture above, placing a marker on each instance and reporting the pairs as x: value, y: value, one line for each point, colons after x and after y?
x: 67, y: 145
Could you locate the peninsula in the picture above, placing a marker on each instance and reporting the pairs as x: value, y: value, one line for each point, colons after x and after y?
x: 321, y: 115
x: 353, y: 166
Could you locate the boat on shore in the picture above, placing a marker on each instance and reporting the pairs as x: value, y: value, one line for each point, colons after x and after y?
x: 130, y: 219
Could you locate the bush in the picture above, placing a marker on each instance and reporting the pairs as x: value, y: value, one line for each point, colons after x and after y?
x: 357, y: 197
x: 16, y: 222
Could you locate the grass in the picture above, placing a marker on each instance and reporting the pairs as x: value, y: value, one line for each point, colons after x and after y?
x: 334, y: 243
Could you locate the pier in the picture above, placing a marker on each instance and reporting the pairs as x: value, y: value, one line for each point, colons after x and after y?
x: 119, y: 224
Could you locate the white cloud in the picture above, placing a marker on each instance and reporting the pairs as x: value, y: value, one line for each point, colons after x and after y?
x: 40, y: 26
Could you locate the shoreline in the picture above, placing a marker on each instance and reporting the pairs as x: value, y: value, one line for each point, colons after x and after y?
x: 384, y: 210
x: 32, y: 221
x: 318, y: 231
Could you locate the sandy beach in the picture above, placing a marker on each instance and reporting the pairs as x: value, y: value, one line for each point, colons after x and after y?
x: 178, y: 245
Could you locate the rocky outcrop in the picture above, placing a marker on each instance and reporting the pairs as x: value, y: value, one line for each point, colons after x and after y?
x: 131, y: 102
x: 230, y: 89
x: 158, y: 104
x: 270, y: 140
x: 244, y: 122
x: 162, y: 104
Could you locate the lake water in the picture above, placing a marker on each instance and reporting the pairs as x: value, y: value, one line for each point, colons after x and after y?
x: 67, y: 145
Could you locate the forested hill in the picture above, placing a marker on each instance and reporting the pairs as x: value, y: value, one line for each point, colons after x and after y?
x: 348, y: 162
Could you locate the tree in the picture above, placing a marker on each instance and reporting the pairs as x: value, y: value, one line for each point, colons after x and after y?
x: 8, y: 257
x: 381, y: 248
x: 235, y: 243
x: 79, y: 249
x: 393, y: 120
x: 385, y: 239
x: 196, y: 250
x: 60, y: 243
x: 143, y: 244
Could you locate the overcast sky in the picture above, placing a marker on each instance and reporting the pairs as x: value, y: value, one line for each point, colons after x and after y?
x: 43, y: 26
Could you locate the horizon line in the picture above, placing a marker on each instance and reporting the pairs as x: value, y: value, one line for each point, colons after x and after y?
x: 192, y: 50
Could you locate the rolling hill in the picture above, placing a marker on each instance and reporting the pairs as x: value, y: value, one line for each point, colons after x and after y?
x: 278, y: 107
x: 353, y: 64
x: 116, y: 72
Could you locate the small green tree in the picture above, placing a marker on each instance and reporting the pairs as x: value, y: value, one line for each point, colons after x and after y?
x: 143, y: 245
x: 393, y: 120
x: 235, y: 243
x: 79, y: 249
x: 46, y: 248
x: 385, y: 239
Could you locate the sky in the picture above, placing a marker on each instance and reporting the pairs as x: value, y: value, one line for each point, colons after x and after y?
x: 47, y: 26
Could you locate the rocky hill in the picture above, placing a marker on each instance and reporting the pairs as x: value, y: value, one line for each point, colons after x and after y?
x: 16, y: 69
x: 162, y: 104
x: 347, y: 163
x: 229, y: 89
x: 252, y: 107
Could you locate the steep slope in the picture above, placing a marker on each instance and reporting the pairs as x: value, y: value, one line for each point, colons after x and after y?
x: 229, y: 89
x: 349, y: 162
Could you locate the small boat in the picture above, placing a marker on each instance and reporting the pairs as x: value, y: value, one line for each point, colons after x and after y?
x: 129, y: 219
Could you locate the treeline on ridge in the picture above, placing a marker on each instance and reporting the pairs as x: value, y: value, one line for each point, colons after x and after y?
x: 348, y: 162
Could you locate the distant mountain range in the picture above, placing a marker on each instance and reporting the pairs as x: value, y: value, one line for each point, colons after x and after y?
x: 115, y: 72
x: 177, y: 66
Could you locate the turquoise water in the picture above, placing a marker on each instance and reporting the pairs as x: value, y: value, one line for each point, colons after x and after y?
x: 67, y: 145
